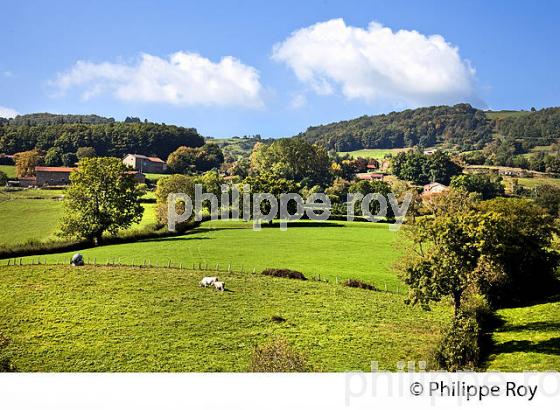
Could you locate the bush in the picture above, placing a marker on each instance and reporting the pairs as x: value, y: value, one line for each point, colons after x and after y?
x: 478, y: 307
x: 276, y: 356
x: 5, y: 360
x: 459, y: 348
x: 284, y: 273
x: 355, y: 283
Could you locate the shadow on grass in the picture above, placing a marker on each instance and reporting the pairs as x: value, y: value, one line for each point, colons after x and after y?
x: 550, y: 346
x: 304, y: 224
x: 177, y: 238
x: 536, y: 326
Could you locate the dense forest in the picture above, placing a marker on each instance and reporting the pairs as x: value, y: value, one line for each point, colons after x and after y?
x: 46, y: 118
x: 535, y: 128
x: 105, y: 135
x: 460, y: 125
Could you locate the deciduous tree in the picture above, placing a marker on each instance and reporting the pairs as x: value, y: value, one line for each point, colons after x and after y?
x: 102, y: 198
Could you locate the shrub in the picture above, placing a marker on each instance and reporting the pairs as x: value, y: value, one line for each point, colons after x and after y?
x: 284, y: 273
x: 276, y: 356
x: 5, y: 361
x: 478, y: 307
x: 459, y: 348
x: 355, y: 283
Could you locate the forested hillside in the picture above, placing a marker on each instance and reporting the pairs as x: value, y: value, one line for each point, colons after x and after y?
x: 460, y: 125
x: 536, y: 128
x: 45, y: 118
x: 107, y: 138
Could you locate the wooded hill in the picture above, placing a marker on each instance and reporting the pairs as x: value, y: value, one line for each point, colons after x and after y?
x: 107, y: 136
x: 461, y: 126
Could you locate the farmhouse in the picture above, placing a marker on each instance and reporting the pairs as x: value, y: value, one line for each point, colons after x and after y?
x: 434, y: 188
x: 52, y: 176
x: 143, y: 163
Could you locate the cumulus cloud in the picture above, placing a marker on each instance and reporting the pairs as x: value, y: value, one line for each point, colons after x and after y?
x: 377, y: 63
x: 6, y: 112
x: 298, y: 101
x: 182, y: 79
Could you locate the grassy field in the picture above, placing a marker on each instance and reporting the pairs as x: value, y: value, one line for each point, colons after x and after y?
x: 155, y: 177
x: 496, y: 115
x: 9, y: 170
x: 331, y: 249
x: 532, y: 182
x: 133, y: 319
x: 35, y: 214
x: 529, y: 339
x: 374, y: 153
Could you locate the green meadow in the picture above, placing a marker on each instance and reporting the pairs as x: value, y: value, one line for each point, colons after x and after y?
x: 34, y: 214
x: 374, y: 153
x: 533, y: 182
x: 329, y: 250
x: 528, y: 339
x: 123, y: 319
x: 9, y: 170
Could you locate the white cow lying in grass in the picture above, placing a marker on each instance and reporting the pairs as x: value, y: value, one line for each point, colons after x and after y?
x: 208, y: 281
x: 219, y: 286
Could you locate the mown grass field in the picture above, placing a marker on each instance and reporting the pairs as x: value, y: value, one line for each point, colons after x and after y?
x: 374, y: 153
x: 497, y: 115
x: 9, y: 170
x: 528, y: 340
x: 34, y: 214
x: 134, y: 319
x: 361, y: 250
x: 533, y: 182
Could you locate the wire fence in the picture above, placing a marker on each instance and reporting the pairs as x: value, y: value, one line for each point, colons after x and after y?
x: 198, y: 266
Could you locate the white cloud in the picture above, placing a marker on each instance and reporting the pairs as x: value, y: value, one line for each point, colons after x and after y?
x: 298, y: 101
x: 377, y: 64
x: 6, y: 112
x: 183, y: 79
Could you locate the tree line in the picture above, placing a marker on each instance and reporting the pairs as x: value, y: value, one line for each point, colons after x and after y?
x: 107, y: 139
x: 460, y: 125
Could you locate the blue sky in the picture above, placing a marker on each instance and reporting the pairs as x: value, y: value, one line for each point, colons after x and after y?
x: 168, y: 60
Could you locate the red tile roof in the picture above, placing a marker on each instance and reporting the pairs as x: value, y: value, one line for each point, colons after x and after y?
x: 54, y: 169
x: 152, y: 159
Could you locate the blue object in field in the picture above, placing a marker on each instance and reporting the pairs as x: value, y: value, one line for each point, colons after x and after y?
x: 77, y: 260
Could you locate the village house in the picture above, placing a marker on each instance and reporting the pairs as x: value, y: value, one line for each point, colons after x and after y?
x: 434, y: 188
x: 60, y: 176
x: 145, y: 164
x: 52, y: 176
